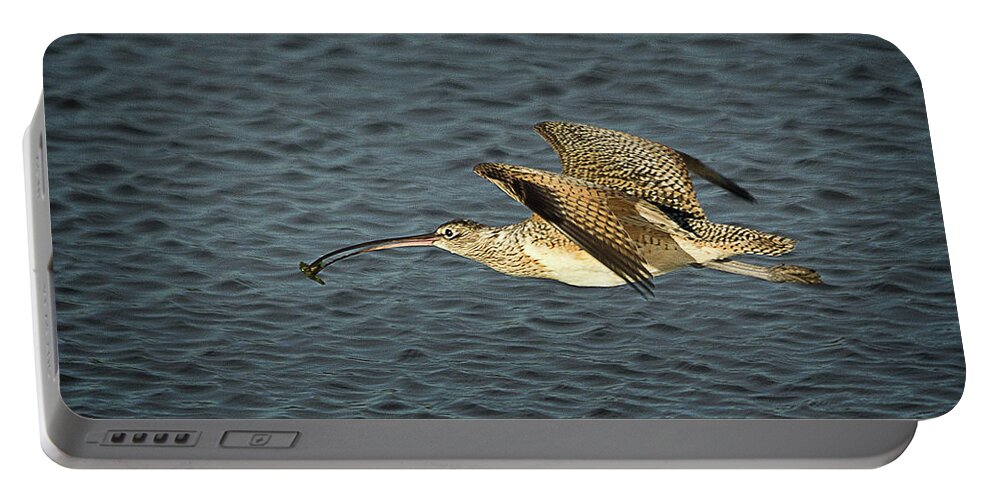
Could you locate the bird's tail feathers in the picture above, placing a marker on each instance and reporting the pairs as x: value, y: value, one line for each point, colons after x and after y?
x: 740, y: 240
x: 728, y: 239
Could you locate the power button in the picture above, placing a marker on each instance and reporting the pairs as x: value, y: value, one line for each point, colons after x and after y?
x: 258, y: 439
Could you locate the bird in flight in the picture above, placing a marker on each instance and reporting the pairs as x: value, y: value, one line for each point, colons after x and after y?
x: 622, y: 211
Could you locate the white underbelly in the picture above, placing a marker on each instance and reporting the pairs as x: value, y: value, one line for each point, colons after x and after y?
x: 575, y: 268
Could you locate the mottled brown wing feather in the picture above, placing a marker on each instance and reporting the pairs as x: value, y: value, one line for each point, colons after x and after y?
x: 581, y: 211
x: 633, y: 165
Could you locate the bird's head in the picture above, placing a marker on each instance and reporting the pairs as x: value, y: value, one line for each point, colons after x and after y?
x: 460, y: 236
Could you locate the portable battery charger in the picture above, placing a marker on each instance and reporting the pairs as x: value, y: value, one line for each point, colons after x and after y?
x: 486, y: 251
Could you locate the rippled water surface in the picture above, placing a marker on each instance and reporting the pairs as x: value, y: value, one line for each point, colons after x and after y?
x: 189, y: 176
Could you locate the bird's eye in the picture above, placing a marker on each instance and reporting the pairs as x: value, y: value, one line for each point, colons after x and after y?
x: 449, y: 233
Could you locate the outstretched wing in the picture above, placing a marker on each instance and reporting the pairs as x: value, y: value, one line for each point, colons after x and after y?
x: 582, y: 211
x: 633, y: 165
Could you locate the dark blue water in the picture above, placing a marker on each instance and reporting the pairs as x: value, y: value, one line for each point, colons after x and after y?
x: 189, y: 176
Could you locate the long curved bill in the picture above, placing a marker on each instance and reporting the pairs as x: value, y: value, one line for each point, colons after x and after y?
x: 314, y: 268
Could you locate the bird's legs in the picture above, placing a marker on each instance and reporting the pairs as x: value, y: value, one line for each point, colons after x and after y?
x: 778, y: 274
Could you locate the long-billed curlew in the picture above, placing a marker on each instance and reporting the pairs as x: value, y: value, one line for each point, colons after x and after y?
x: 622, y: 211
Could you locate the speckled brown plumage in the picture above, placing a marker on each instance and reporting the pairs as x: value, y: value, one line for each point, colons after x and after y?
x: 502, y: 248
x: 739, y: 240
x: 581, y: 210
x: 630, y: 164
x: 599, y: 201
x: 623, y: 210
